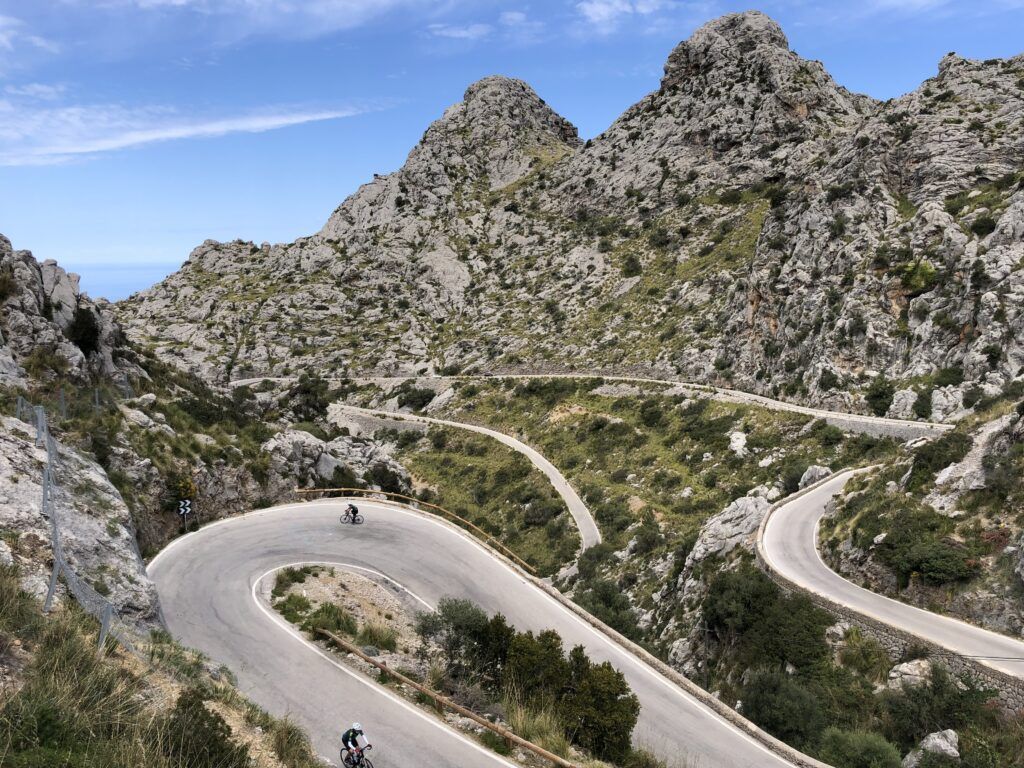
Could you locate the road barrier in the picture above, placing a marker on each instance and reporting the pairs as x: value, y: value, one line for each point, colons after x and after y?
x: 443, y: 702
x: 416, y: 503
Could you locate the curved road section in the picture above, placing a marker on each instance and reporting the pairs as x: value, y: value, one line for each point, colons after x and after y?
x: 208, y: 583
x: 590, y: 534
x: 853, y: 422
x: 789, y: 546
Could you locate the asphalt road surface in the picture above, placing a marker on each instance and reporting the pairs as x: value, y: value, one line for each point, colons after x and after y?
x: 207, y: 585
x: 789, y: 545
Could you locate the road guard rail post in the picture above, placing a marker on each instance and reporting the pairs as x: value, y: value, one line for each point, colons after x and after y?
x: 414, y: 502
x: 443, y: 702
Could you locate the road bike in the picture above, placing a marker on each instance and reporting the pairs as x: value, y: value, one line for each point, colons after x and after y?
x: 357, y: 759
x: 348, y: 516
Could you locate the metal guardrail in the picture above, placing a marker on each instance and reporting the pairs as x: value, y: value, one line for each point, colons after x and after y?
x: 443, y: 702
x: 414, y: 502
x: 111, y: 625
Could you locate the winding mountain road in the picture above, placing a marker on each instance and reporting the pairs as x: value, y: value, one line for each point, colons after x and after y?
x: 788, y: 545
x: 590, y: 534
x: 853, y: 422
x: 209, y: 584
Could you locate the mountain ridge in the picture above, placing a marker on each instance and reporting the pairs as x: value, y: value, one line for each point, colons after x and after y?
x: 815, y: 228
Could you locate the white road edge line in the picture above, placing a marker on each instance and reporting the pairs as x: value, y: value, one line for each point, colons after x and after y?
x: 362, y: 679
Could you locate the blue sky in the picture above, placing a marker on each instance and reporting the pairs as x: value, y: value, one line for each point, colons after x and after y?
x: 132, y: 130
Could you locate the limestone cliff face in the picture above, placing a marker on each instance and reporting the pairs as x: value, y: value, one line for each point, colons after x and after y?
x: 750, y: 223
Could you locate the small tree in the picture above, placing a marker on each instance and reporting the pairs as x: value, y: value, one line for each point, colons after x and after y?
x: 84, y: 331
x: 879, y: 395
x: 600, y: 708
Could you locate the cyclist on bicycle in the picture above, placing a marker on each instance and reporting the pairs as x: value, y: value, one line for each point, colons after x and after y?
x: 353, y: 741
x: 351, y: 511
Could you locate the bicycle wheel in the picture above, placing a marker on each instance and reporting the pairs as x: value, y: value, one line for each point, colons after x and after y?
x: 358, y: 519
x: 367, y: 762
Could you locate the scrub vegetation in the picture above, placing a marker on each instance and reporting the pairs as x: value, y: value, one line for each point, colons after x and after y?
x: 67, y: 707
x: 769, y: 650
x: 498, y: 489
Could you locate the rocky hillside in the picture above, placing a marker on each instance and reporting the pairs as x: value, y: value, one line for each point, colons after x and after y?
x: 750, y: 223
x: 49, y: 328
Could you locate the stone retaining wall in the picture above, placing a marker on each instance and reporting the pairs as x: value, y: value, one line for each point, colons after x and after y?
x: 1009, y: 689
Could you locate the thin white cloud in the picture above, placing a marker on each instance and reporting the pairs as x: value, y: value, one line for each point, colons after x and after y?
x: 606, y: 15
x: 460, y: 32
x: 42, y: 91
x: 48, y: 136
x: 520, y: 28
x: 13, y: 33
x: 238, y: 19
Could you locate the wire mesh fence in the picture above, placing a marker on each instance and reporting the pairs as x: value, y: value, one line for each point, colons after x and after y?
x: 111, y: 624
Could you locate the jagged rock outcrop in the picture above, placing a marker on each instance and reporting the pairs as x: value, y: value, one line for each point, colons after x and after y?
x: 39, y: 327
x: 750, y: 223
x: 945, y: 744
x: 297, y: 456
x: 733, y: 527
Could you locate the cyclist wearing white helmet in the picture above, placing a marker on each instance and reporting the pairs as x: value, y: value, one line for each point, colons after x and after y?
x: 350, y: 744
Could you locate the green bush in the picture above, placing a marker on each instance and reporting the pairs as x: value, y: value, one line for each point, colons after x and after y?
x: 783, y: 707
x: 332, y: 618
x: 593, y: 701
x: 84, y: 331
x: 309, y: 397
x: 197, y: 736
x: 952, y: 376
x: 944, y: 702
x: 631, y: 266
x: 983, y: 226
x: 599, y: 707
x: 857, y: 749
x: 414, y: 397
x: 730, y: 197
x: 607, y: 602
x: 749, y: 613
x: 8, y: 285
x: 294, y: 607
x: 288, y: 576
x: 918, y: 277
x: 828, y: 380
x: 865, y: 655
x: 879, y: 394
x: 923, y: 404
x: 378, y: 635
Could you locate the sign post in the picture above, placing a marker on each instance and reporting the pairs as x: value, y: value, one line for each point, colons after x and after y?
x: 184, y: 510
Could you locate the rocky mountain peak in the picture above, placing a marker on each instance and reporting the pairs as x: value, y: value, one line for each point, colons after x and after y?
x: 499, y: 129
x: 741, y: 63
x: 499, y: 132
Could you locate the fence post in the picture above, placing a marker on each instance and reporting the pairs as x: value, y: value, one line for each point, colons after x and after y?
x: 40, y: 426
x: 48, y: 604
x: 108, y: 611
x: 96, y: 399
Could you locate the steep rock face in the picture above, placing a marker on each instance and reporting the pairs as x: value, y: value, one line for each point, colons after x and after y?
x: 96, y: 529
x: 38, y: 302
x: 749, y: 223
